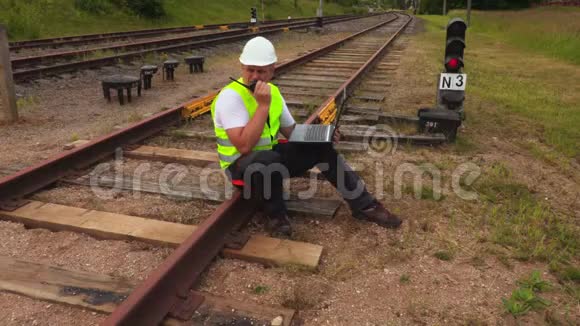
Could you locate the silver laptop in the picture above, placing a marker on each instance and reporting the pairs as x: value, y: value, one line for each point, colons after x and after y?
x: 315, y: 133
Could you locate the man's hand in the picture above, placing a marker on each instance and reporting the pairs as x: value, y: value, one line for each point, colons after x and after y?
x: 262, y: 95
x: 336, y: 136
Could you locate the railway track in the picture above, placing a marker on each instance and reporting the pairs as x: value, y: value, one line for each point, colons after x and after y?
x: 145, y: 33
x: 349, y: 73
x: 30, y: 67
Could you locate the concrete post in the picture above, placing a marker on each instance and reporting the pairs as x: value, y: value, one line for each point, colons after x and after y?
x: 7, y: 94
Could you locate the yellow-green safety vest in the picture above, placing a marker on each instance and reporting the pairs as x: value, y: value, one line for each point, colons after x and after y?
x: 227, y: 152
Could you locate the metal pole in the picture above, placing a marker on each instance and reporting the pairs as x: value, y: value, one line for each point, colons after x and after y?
x: 7, y: 94
x: 319, y: 21
x: 444, y: 7
x: 263, y: 11
x: 468, y: 13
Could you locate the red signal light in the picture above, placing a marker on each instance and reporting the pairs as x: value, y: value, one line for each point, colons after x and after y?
x: 453, y: 63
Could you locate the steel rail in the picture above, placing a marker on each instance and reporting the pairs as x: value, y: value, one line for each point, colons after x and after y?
x: 145, y: 34
x: 91, y: 38
x: 169, y: 286
x: 346, y: 89
x: 36, y: 177
x: 327, y: 111
x: 92, y: 63
x: 19, y: 63
x: 163, y: 290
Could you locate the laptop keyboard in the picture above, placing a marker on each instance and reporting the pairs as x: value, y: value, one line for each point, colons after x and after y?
x: 316, y: 132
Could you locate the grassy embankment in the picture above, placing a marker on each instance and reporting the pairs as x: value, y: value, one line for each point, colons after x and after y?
x: 523, y: 71
x: 51, y: 18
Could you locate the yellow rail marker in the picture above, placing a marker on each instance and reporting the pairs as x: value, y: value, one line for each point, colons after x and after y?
x: 328, y: 113
x: 199, y: 26
x: 224, y: 27
x: 286, y: 29
x: 254, y: 29
x: 198, y: 107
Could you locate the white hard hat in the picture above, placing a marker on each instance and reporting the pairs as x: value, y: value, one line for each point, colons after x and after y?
x: 258, y: 52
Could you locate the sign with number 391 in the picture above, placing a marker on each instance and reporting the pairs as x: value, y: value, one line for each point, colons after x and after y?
x: 453, y: 82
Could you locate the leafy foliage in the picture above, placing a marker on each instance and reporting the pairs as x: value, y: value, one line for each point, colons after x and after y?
x: 534, y: 282
x: 146, y: 8
x: 98, y: 7
x: 143, y: 8
x: 524, y: 298
x: 23, y: 17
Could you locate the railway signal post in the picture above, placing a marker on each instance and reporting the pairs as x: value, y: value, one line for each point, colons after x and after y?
x: 253, y: 16
x: 448, y: 114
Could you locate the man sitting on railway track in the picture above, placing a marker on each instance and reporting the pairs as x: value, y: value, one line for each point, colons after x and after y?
x: 247, y: 124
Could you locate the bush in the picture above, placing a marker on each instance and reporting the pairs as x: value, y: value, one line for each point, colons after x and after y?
x: 23, y: 19
x: 143, y: 8
x: 98, y: 7
x: 146, y: 8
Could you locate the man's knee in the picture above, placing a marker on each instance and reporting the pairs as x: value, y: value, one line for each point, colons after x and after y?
x: 264, y: 176
x: 266, y: 166
x: 267, y: 157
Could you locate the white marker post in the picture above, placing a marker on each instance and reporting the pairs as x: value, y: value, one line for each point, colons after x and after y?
x: 7, y: 95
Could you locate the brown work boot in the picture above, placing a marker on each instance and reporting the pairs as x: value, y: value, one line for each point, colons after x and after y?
x: 377, y: 213
x: 279, y: 225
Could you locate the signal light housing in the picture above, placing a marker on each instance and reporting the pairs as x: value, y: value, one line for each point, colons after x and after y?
x: 454, y: 45
x: 453, y: 62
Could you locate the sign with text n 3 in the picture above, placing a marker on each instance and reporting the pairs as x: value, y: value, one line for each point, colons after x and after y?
x: 453, y: 82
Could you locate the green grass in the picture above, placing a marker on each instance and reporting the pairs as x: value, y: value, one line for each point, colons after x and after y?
x: 553, y: 32
x: 27, y: 102
x: 261, y: 289
x: 443, y: 255
x: 51, y: 18
x: 405, y: 279
x: 525, y: 84
x: 521, y: 222
x: 525, y: 297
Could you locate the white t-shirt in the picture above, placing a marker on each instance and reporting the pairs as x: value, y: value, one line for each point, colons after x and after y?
x: 230, y: 111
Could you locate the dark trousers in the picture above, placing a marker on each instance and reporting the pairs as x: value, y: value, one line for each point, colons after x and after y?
x: 263, y: 173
